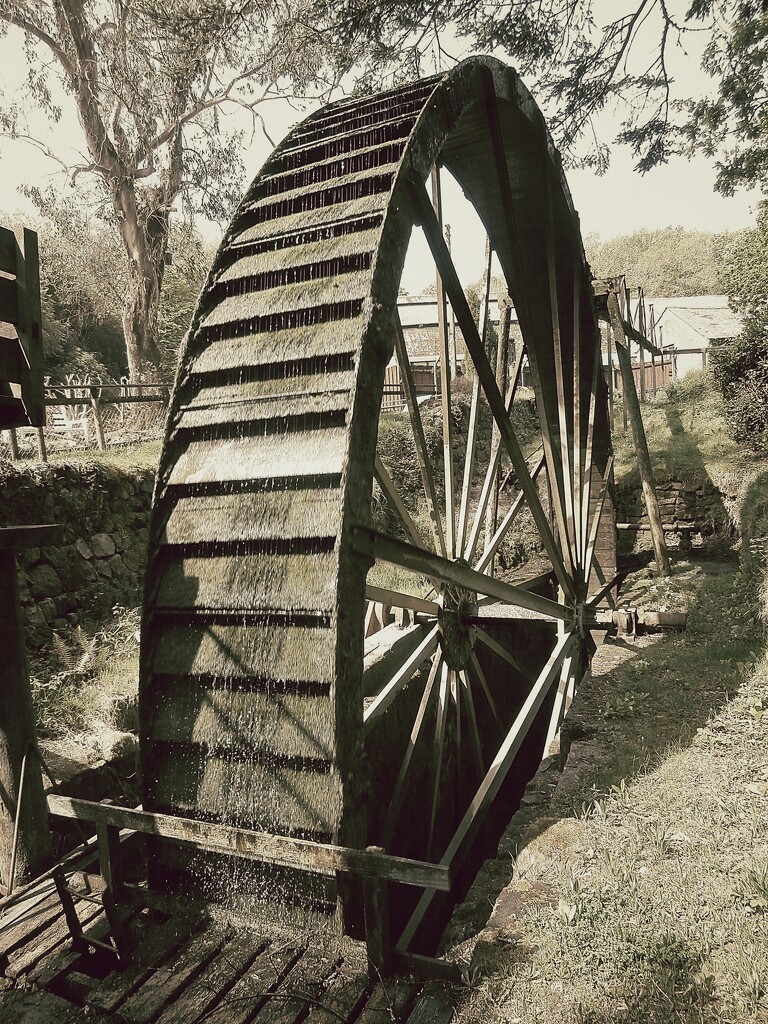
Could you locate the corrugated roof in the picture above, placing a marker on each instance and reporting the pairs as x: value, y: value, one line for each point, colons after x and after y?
x: 709, y: 315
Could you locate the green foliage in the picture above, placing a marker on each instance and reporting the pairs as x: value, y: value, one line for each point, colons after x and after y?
x: 581, y: 58
x: 91, y: 680
x: 664, y: 263
x: 740, y: 366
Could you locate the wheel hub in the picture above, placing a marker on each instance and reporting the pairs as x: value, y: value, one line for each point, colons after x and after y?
x: 457, y: 636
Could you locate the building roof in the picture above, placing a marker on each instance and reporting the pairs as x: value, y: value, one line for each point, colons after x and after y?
x: 423, y: 312
x: 708, y: 315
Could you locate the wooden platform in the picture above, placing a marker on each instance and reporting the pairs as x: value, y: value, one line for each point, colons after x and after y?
x: 188, y: 967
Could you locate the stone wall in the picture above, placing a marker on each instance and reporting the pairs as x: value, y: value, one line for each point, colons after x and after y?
x: 104, y: 513
x: 696, y: 513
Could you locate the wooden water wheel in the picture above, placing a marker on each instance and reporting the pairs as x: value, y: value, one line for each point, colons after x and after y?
x: 255, y: 706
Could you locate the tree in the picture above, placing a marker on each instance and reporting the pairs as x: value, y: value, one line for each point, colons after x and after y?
x: 667, y: 262
x: 148, y: 80
x: 577, y: 67
x: 741, y: 366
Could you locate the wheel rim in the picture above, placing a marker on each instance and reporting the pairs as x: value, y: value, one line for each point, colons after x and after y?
x: 252, y: 657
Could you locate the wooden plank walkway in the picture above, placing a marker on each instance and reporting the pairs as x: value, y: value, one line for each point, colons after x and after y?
x: 188, y: 967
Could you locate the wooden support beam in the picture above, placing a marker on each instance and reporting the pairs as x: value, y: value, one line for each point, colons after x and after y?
x: 378, y: 937
x: 396, y: 552
x: 303, y: 854
x: 638, y: 435
x: 25, y: 845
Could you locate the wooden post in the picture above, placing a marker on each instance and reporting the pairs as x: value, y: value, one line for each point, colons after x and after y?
x: 42, y: 450
x: 638, y: 435
x: 17, y: 723
x: 96, y: 406
x: 378, y: 939
x: 14, y: 442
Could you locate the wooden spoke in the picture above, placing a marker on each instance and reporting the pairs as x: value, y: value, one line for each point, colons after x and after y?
x: 494, y: 777
x: 590, y: 554
x: 595, y: 600
x: 502, y: 354
x: 456, y: 698
x: 526, y: 582
x: 425, y: 466
x: 381, y: 702
x: 398, y: 600
x: 495, y: 542
x: 577, y: 468
x: 387, y: 485
x: 435, y: 209
x: 474, y: 412
x: 398, y: 552
x: 489, y: 483
x: 565, y: 692
x: 487, y: 377
x: 437, y: 755
x: 474, y: 733
x: 561, y: 469
x: 502, y: 652
x: 477, y: 668
x: 393, y: 811
x: 587, y: 486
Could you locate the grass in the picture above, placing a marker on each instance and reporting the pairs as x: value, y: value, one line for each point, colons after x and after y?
x: 654, y: 907
x: 88, y: 686
x: 143, y: 455
x: 687, y: 437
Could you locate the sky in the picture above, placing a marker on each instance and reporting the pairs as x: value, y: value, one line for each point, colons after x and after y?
x: 621, y: 201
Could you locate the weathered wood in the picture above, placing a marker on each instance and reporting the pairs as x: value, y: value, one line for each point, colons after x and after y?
x: 341, y: 1000
x: 271, y: 849
x: 161, y: 987
x: 25, y: 822
x: 493, y: 543
x: 489, y: 483
x: 7, y: 251
x: 33, y: 921
x: 378, y: 938
x: 12, y: 361
x: 393, y: 496
x: 159, y: 945
x: 435, y: 208
x: 638, y: 435
x: 33, y: 392
x: 212, y: 986
x: 474, y: 412
x: 398, y: 791
x: 502, y: 652
x: 19, y: 538
x: 488, y: 380
x: 422, y: 456
x: 9, y: 302
x: 393, y: 597
x: 384, y: 698
x: 388, y: 1001
x: 396, y: 552
x: 252, y: 991
x: 502, y: 355
x: 494, y: 777
x: 96, y: 407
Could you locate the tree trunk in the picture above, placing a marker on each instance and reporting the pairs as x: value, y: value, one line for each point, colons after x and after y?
x: 140, y: 312
x: 145, y: 237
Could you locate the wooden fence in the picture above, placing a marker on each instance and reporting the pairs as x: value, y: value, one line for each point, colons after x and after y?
x: 85, y: 414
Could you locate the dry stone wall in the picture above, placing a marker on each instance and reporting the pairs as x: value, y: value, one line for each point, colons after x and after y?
x: 696, y: 514
x: 104, y: 513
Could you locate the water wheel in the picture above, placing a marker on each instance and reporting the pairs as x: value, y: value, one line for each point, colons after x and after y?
x: 257, y: 708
